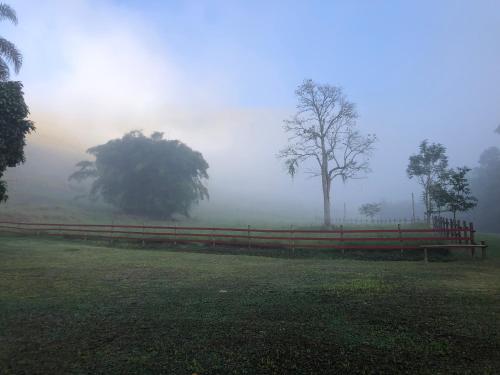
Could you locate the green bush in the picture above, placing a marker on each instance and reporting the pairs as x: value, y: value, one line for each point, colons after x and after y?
x: 14, y: 126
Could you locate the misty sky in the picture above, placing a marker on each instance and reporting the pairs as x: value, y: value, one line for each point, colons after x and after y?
x: 221, y: 75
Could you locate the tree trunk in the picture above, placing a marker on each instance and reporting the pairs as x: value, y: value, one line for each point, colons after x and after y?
x: 326, y: 210
x: 326, y: 202
x: 428, y: 206
x: 325, y: 179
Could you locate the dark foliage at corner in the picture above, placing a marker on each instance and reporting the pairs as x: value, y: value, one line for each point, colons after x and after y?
x: 14, y: 127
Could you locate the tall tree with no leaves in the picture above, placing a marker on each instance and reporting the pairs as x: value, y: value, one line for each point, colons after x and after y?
x: 9, y: 54
x: 428, y: 166
x: 323, y: 130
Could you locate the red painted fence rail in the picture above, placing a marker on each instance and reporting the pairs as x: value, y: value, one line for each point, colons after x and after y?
x: 443, y: 231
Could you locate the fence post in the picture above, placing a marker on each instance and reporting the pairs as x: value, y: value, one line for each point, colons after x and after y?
x: 342, y: 238
x: 483, y: 250
x: 112, y: 228
x: 455, y: 230
x: 460, y: 230
x: 143, y: 242
x: 452, y: 231
x: 249, y: 240
x: 447, y: 228
x: 471, y: 235
x: 400, y: 238
x: 213, y: 238
x: 463, y: 233
x: 175, y: 234
x: 292, y: 238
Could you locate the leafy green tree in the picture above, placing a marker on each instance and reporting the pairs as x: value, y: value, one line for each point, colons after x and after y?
x: 148, y: 176
x: 370, y: 209
x: 460, y: 195
x: 453, y: 193
x: 428, y: 167
x: 14, y: 127
x: 324, y: 131
x: 9, y: 54
x: 439, y: 196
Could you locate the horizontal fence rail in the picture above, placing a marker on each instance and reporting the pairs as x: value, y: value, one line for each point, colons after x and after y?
x: 443, y: 231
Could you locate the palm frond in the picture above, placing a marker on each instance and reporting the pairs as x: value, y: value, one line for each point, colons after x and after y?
x: 9, y: 51
x: 6, y: 12
x: 4, y: 70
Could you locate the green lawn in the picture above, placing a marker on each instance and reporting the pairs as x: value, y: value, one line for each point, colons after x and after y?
x: 78, y: 307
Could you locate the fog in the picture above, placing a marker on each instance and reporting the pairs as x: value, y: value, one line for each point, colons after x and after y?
x: 220, y: 76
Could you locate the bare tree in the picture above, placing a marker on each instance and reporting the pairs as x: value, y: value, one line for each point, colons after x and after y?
x: 323, y: 129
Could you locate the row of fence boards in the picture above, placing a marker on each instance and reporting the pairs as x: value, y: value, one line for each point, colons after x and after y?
x: 337, y: 238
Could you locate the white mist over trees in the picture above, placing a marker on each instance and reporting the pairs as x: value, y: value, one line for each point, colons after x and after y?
x: 486, y: 187
x: 323, y: 129
x: 225, y: 99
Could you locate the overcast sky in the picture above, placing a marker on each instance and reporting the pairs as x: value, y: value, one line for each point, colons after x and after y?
x: 221, y: 75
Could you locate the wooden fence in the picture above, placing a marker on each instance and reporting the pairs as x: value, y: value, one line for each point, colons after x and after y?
x: 455, y: 229
x: 398, y: 238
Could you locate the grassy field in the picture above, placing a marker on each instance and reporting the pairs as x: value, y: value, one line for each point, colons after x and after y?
x: 80, y: 307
